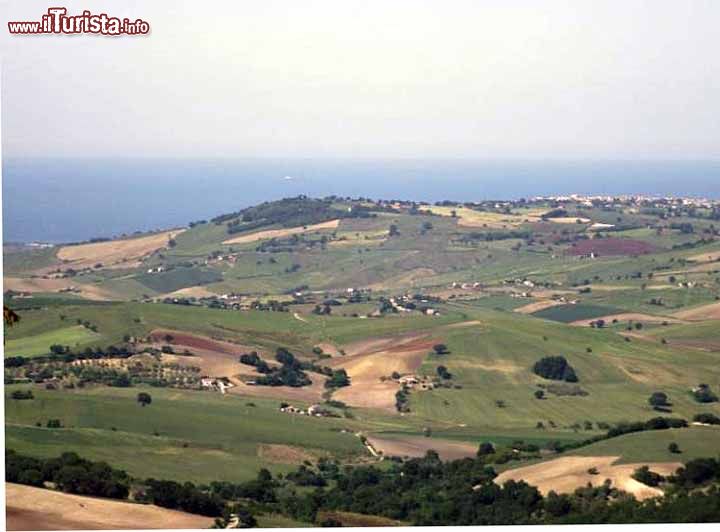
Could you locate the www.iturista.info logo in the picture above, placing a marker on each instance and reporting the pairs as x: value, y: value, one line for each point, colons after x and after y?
x: 58, y: 21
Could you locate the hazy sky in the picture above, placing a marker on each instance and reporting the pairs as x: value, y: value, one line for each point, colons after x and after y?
x: 386, y: 78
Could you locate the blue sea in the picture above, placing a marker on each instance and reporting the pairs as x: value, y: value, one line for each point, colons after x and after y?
x: 66, y: 200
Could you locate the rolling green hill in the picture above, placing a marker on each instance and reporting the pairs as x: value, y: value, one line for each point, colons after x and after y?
x: 384, y: 291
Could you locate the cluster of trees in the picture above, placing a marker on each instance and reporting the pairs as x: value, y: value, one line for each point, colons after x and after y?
x: 489, y: 236
x: 420, y: 491
x: 427, y: 491
x: 291, y: 243
x: 73, y: 474
x: 21, y: 395
x: 270, y: 306
x: 707, y: 418
x: 289, y: 212
x: 186, y: 497
x: 65, y: 354
x: 306, y: 476
x: 292, y: 371
x: 253, y: 359
x: 69, y: 473
x: 555, y: 368
x: 44, y: 368
x: 338, y: 379
x: 647, y: 477
x: 402, y: 400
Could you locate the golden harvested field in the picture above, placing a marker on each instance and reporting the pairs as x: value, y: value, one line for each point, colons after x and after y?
x: 568, y: 220
x: 705, y: 312
x: 306, y: 394
x: 706, y: 257
x: 31, y: 508
x: 38, y: 284
x: 368, y: 361
x: 192, y: 291
x: 629, y: 316
x: 329, y: 349
x: 403, y: 279
x: 537, y: 306
x: 115, y: 253
x: 279, y: 233
x: 214, y: 357
x: 284, y: 454
x: 564, y: 475
x: 417, y: 446
x: 493, y: 220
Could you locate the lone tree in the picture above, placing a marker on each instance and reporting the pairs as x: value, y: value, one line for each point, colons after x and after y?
x: 144, y: 398
x: 539, y: 394
x: 440, y: 349
x: 674, y: 448
x: 485, y: 449
x: 659, y: 400
x: 443, y: 372
x: 703, y: 394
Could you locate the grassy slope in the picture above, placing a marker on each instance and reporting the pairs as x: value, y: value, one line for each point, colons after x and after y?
x: 581, y: 311
x: 40, y: 344
x: 221, y: 432
x: 493, y: 362
x: 21, y: 262
x: 254, y: 327
x: 652, y: 446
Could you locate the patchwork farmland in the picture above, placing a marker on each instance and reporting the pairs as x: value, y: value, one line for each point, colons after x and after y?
x: 257, y: 354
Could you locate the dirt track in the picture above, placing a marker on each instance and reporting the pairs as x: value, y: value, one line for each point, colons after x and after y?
x: 564, y: 475
x: 31, y: 508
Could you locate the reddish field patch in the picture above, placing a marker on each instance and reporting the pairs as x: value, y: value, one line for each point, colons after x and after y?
x: 611, y: 246
x: 217, y: 358
x: 197, y: 342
